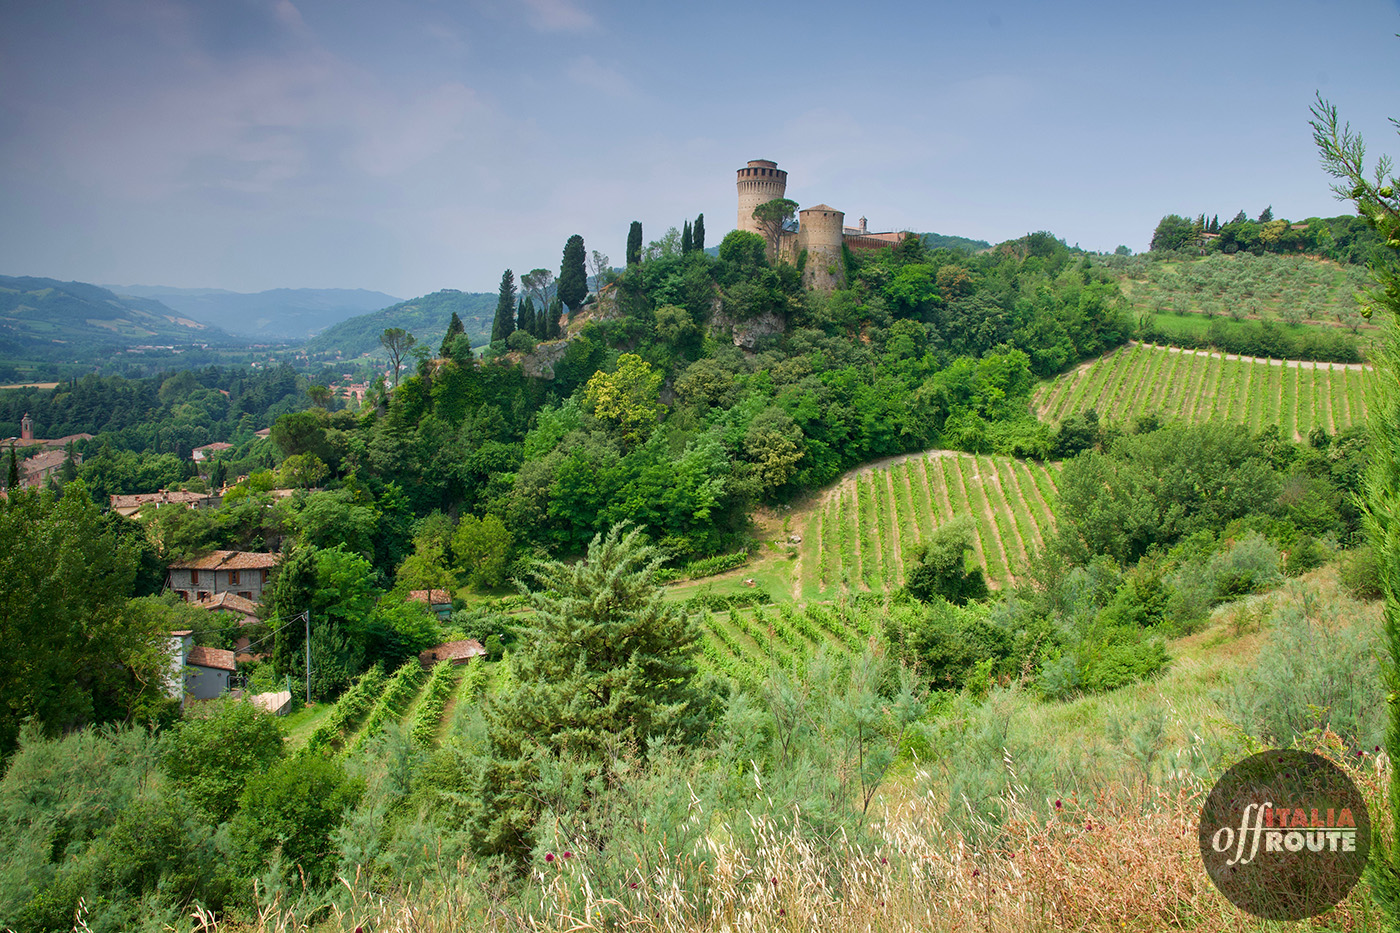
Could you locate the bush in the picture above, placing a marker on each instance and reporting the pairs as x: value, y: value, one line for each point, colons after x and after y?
x: 1360, y: 573
x: 212, y: 756
x: 290, y: 812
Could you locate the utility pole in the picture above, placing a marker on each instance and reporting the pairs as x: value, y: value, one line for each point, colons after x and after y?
x: 306, y: 616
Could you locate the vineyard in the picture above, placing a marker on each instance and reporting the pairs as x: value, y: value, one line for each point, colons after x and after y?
x: 746, y: 645
x: 413, y: 699
x: 1199, y: 386
x: 859, y: 538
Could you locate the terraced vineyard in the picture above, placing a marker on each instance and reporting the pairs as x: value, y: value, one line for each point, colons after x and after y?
x: 1201, y: 386
x: 857, y: 538
x: 417, y: 700
x: 746, y: 644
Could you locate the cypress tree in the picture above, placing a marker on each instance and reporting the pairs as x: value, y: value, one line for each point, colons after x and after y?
x: 697, y: 235
x: 504, y: 323
x: 573, y: 277
x: 634, y: 243
x: 556, y: 311
x: 12, y: 482
x: 524, y: 317
x: 686, y: 245
x: 455, y: 329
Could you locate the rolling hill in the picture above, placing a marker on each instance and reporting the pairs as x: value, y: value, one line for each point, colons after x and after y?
x: 426, y: 318
x: 45, y: 319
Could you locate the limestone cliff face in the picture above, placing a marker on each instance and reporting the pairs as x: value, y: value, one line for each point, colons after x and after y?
x: 747, y: 334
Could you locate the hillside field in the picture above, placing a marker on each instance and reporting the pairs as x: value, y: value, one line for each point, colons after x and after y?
x: 1197, y: 385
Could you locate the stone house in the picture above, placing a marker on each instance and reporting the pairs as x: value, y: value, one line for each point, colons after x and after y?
x: 243, y: 573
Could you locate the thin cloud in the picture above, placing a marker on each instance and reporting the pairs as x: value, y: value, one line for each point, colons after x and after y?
x: 558, y: 16
x: 587, y: 71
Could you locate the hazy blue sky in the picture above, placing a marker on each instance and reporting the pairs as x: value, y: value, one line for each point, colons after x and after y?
x: 412, y: 145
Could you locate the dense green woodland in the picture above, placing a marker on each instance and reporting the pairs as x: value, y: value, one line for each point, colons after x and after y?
x: 648, y: 449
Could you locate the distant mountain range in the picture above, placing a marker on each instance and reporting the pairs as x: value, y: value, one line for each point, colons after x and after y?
x: 277, y: 314
x: 45, y: 319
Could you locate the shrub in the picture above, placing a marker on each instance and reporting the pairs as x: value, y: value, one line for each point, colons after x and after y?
x: 290, y: 812
x: 212, y: 756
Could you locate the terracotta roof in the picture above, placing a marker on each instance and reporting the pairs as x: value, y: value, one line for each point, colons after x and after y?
x: 431, y: 597
x: 182, y: 632
x: 265, y: 432
x: 216, y: 658
x: 822, y: 207
x: 230, y: 602
x: 217, y: 445
x: 228, y: 560
x: 452, y: 651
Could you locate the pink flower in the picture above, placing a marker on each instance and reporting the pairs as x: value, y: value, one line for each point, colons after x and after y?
x: 775, y: 882
x: 976, y: 872
x: 884, y: 861
x: 549, y: 856
x: 568, y: 855
x: 1059, y: 805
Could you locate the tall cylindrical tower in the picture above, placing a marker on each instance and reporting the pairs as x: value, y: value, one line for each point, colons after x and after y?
x: 819, y: 232
x: 759, y: 182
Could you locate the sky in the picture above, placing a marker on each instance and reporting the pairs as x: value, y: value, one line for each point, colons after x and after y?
x: 411, y: 145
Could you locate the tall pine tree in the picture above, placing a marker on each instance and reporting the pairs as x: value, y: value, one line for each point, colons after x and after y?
x: 686, y: 245
x: 504, y: 323
x: 573, y: 277
x: 634, y: 243
x: 525, y: 316
x: 697, y: 234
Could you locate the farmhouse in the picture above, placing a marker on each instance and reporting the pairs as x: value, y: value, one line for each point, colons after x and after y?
x: 243, y: 573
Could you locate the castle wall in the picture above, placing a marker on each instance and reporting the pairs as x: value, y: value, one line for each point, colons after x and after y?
x: 819, y: 232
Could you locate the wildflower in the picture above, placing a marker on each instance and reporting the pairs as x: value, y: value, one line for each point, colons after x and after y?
x: 549, y: 856
x: 884, y: 861
x: 631, y: 884
x: 782, y: 911
x: 976, y: 872
x: 1378, y: 748
x: 1059, y: 805
x: 775, y: 882
x: 568, y: 854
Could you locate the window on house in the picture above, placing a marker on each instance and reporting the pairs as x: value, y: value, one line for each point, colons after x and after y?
x: 246, y: 595
x: 203, y: 595
x: 194, y: 578
x: 233, y: 578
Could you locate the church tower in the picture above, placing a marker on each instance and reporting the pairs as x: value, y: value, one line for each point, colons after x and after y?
x: 26, y: 428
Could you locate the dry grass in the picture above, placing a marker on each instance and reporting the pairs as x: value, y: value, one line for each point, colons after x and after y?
x: 1126, y: 860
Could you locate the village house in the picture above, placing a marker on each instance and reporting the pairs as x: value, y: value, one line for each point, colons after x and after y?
x: 197, y: 672
x: 127, y: 506
x: 243, y: 573
x: 439, y: 601
x: 209, y: 451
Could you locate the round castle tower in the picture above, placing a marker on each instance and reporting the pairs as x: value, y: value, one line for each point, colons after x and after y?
x: 819, y: 232
x: 759, y: 182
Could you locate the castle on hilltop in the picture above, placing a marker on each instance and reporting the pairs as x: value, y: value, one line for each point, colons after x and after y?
x: 821, y: 231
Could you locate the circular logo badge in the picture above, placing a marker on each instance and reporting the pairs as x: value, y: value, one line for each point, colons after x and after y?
x: 1284, y: 835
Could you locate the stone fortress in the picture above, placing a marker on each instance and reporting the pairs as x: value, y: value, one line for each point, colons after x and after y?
x: 821, y: 230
